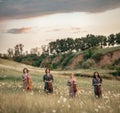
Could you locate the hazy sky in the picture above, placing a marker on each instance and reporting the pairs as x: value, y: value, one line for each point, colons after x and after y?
x: 37, y: 22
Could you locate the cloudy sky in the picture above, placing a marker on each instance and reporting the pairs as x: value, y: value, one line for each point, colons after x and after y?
x: 37, y: 22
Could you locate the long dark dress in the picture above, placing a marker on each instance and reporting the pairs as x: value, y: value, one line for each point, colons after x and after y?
x: 48, y: 79
x: 96, y: 82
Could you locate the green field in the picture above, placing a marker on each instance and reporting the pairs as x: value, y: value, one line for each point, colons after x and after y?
x: 13, y: 99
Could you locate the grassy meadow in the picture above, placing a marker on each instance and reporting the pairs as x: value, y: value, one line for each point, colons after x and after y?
x: 13, y: 99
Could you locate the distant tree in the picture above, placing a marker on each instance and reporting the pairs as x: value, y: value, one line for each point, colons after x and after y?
x: 52, y: 46
x: 102, y: 40
x: 77, y: 45
x: 21, y: 48
x: 117, y: 38
x: 26, y: 53
x: 111, y: 40
x: 69, y: 44
x: 58, y: 46
x: 63, y: 45
x: 10, y: 52
x: 80, y: 44
x: 84, y: 45
x: 45, y: 49
x: 17, y: 51
x: 91, y: 41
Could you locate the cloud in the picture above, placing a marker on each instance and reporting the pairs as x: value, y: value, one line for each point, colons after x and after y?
x: 31, y: 8
x: 61, y: 29
x: 18, y: 30
x: 77, y: 30
x: 54, y: 30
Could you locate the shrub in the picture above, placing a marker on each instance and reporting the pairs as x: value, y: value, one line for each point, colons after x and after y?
x: 88, y: 54
x: 87, y: 64
x: 97, y: 57
x: 77, y: 74
x: 116, y: 62
x: 18, y: 58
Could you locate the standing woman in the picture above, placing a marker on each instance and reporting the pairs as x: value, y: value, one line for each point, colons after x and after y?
x: 72, y: 85
x: 96, y: 82
x: 27, y: 81
x: 48, y: 80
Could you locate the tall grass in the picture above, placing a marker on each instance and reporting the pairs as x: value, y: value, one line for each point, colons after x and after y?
x: 13, y: 99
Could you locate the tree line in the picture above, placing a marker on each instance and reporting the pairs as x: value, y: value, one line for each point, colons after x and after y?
x: 62, y: 46
x: 83, y: 43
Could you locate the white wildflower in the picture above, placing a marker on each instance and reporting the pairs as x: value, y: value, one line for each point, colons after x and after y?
x: 58, y: 101
x: 61, y: 96
x: 23, y: 90
x: 54, y: 111
x: 3, y: 83
x: 20, y: 86
x: 106, y: 97
x: 96, y: 110
x: 99, y: 107
x: 69, y: 106
x: 109, y: 92
x: 64, y: 99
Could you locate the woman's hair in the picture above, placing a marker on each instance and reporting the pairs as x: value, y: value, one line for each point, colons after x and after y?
x: 98, y: 76
x: 26, y: 70
x: 95, y: 76
x: 46, y: 70
x: 72, y: 75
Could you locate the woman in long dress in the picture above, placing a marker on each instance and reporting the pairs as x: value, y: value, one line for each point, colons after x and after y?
x: 72, y: 83
x: 27, y: 81
x: 48, y: 80
x: 97, y: 82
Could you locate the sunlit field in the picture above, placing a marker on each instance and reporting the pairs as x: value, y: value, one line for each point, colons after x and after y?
x: 13, y: 99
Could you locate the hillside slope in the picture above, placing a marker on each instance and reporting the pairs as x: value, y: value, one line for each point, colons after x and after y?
x: 13, y: 68
x: 100, y: 58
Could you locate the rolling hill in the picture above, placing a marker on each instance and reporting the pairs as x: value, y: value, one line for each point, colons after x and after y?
x: 92, y: 58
